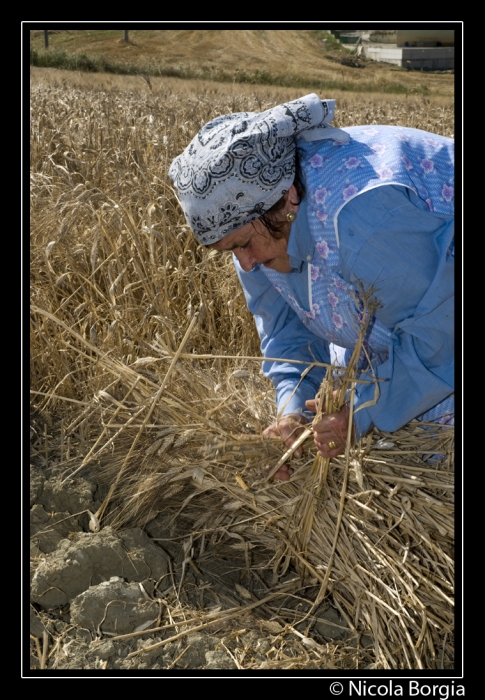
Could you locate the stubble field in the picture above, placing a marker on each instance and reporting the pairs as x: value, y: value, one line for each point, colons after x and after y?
x: 155, y: 542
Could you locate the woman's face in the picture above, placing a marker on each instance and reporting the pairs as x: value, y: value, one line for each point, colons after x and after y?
x: 253, y: 244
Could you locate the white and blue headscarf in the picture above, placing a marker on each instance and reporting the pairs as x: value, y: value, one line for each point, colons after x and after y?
x: 239, y: 165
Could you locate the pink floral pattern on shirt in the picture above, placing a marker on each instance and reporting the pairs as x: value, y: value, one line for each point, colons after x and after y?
x: 349, y: 192
x: 340, y: 284
x: 447, y: 193
x: 427, y: 165
x: 338, y: 320
x: 352, y: 163
x: 385, y: 173
x: 321, y: 195
x: 316, y: 161
x: 315, y: 310
x: 407, y: 163
x: 322, y: 249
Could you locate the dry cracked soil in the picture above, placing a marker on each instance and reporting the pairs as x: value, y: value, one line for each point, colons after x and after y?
x: 97, y: 598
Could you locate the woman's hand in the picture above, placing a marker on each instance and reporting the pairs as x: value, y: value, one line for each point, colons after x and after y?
x: 288, y: 428
x: 330, y: 433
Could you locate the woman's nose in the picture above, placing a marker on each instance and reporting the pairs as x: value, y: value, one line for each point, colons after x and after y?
x: 246, y: 260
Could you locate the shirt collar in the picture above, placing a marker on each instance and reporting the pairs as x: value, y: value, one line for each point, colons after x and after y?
x: 301, y: 245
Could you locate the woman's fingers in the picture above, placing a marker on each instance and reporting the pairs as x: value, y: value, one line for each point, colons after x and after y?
x: 311, y: 405
x: 284, y: 473
x: 330, y: 433
x: 288, y: 429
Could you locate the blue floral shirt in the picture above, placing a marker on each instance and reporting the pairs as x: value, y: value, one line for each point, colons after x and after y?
x: 389, y: 239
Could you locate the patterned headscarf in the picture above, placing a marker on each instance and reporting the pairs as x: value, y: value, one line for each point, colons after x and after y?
x: 239, y: 165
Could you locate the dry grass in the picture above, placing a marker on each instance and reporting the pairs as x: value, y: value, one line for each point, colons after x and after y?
x: 284, y: 56
x: 143, y: 351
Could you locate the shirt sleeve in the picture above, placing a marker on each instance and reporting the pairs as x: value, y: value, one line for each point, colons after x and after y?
x: 390, y: 240
x: 283, y: 335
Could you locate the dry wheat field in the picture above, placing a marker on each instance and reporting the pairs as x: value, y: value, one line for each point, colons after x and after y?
x: 147, y: 408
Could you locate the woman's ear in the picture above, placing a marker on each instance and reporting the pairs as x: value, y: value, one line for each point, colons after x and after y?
x: 292, y: 198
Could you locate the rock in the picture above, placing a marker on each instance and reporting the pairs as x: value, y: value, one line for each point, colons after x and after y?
x: 114, y: 607
x: 92, y: 558
x: 37, y: 629
x: 103, y: 650
x: 146, y: 657
x: 218, y: 659
x: 198, y: 646
x: 73, y: 496
x: 48, y: 529
x: 75, y: 656
x: 263, y: 645
x: 142, y: 551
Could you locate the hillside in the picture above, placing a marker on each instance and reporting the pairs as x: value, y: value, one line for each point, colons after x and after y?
x: 310, y: 58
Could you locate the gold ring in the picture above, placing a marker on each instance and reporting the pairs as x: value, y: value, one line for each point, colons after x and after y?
x: 332, y: 445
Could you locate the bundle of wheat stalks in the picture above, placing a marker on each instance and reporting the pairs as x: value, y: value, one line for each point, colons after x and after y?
x: 145, y: 357
x: 373, y: 529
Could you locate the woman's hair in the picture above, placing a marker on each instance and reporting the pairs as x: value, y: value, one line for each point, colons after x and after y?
x: 274, y: 225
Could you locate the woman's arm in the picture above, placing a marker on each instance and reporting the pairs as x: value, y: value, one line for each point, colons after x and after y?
x: 283, y: 335
x: 390, y: 240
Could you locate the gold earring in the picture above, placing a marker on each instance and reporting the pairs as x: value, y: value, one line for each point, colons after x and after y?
x: 291, y: 216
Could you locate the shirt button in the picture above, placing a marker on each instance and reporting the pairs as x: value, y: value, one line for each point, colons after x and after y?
x: 308, y: 257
